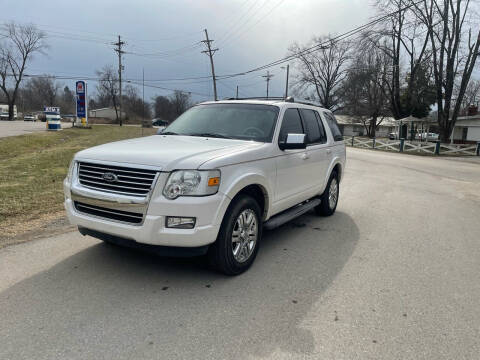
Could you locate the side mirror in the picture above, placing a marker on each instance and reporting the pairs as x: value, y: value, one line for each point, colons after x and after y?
x: 293, y: 142
x: 159, y: 131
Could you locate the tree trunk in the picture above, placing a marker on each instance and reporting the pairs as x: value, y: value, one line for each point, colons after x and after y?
x: 372, y: 127
x: 11, y: 112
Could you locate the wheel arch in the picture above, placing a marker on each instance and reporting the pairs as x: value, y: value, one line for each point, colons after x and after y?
x: 339, y: 170
x: 255, y: 186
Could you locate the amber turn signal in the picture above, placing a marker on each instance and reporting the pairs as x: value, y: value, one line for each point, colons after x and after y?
x: 215, y: 181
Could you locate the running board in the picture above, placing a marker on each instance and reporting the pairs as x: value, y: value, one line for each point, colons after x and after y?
x: 291, y: 214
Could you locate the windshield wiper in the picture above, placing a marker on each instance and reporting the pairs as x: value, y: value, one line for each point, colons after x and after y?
x: 212, y: 135
x: 168, y: 133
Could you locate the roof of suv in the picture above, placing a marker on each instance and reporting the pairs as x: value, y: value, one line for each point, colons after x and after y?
x: 264, y: 101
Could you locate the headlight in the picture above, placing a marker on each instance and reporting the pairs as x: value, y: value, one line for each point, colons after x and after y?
x: 70, y: 170
x: 191, y: 183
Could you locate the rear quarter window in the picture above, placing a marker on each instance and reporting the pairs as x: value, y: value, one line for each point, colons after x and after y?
x: 333, y: 125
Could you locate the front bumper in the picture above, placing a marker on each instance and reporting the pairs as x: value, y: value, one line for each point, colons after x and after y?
x: 208, y: 211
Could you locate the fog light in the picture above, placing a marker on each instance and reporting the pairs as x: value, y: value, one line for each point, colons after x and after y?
x: 180, y: 222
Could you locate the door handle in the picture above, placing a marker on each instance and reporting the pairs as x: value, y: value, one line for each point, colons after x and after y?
x: 329, y: 151
x: 305, y: 156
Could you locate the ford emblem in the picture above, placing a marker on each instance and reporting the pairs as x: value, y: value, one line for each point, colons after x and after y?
x: 110, y: 177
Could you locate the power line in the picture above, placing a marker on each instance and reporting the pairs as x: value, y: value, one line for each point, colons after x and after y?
x: 94, y: 78
x: 170, y: 89
x: 130, y: 81
x: 243, y: 33
x: 185, y: 36
x: 323, y: 44
x: 170, y: 53
x: 235, y: 28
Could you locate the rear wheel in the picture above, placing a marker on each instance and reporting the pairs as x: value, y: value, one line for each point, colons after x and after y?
x: 329, y: 197
x: 239, y: 237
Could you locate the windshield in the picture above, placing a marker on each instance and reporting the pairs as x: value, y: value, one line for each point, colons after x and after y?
x: 232, y: 121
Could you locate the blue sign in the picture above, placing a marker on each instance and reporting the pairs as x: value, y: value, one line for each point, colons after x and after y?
x: 81, y: 105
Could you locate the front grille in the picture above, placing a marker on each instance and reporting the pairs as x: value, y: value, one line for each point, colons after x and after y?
x: 112, y: 214
x: 119, y: 179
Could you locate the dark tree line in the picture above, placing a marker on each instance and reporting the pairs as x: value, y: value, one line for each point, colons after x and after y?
x: 170, y: 107
x: 108, y: 95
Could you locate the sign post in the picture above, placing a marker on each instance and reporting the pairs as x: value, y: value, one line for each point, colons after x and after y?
x: 52, y: 114
x: 82, y: 107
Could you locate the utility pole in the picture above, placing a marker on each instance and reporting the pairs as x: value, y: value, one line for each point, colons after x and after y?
x: 119, y: 51
x: 210, y: 53
x: 267, y: 78
x: 286, y: 86
x: 236, y: 97
x: 143, y: 99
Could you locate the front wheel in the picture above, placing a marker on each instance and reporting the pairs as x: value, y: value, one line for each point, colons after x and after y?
x: 239, y: 237
x: 329, y: 197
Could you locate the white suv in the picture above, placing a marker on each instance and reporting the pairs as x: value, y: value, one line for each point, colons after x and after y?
x: 211, y: 181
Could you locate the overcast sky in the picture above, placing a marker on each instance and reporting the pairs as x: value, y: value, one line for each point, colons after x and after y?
x: 248, y: 33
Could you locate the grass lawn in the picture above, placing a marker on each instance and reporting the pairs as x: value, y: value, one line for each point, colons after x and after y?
x: 32, y: 169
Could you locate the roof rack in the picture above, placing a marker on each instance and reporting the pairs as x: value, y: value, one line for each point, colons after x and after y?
x: 311, y: 103
x: 281, y: 98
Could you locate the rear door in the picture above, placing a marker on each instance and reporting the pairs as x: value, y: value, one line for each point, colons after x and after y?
x: 317, y: 149
x: 336, y: 145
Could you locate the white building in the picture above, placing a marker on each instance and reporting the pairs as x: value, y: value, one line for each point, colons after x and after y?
x: 352, y: 126
x: 467, y: 129
x: 107, y: 113
x: 4, y: 111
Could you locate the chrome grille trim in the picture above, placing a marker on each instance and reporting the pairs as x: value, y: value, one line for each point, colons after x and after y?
x: 91, y: 175
x: 110, y: 214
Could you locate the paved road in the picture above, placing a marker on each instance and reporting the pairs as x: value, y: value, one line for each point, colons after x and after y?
x: 20, y: 127
x: 393, y: 275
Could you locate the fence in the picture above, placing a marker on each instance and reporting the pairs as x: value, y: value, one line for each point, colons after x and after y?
x: 402, y: 145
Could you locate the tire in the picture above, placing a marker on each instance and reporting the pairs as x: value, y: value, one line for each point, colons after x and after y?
x: 236, y: 247
x: 328, y: 207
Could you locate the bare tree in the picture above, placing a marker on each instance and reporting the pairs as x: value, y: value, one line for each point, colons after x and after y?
x: 322, y: 71
x: 19, y: 44
x: 170, y: 107
x: 41, y: 91
x: 107, y: 88
x: 133, y: 103
x: 181, y: 102
x: 403, y: 38
x: 455, y: 48
x: 472, y: 95
x: 67, y: 100
x: 365, y: 89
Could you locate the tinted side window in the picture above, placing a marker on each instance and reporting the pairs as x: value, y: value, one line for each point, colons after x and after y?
x: 311, y: 126
x: 323, y: 134
x: 291, y: 124
x: 332, y: 124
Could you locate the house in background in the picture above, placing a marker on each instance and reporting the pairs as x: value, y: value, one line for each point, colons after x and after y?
x: 4, y: 112
x: 105, y: 113
x: 467, y: 129
x: 352, y: 126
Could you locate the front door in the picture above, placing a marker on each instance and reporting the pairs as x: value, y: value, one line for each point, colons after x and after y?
x: 293, y: 166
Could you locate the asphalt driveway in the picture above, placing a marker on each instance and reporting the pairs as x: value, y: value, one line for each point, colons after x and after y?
x: 394, y: 274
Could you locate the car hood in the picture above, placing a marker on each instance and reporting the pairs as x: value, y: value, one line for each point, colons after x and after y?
x: 166, y: 152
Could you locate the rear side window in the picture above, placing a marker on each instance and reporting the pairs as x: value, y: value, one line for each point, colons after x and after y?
x: 323, y: 134
x: 332, y: 124
x: 311, y: 126
x: 291, y: 124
